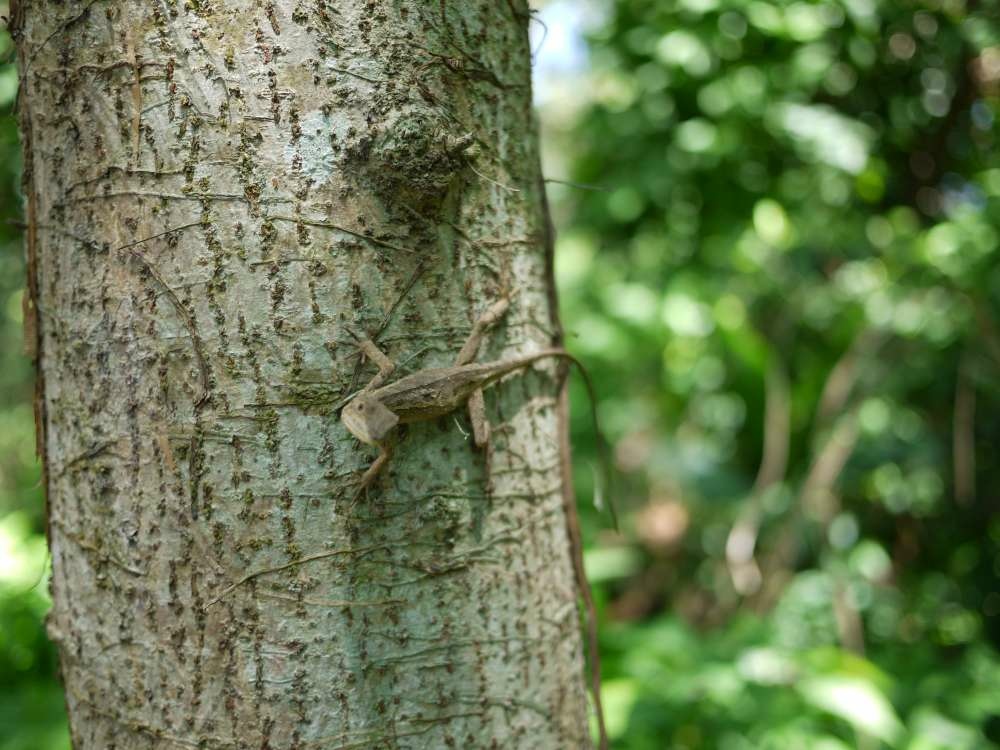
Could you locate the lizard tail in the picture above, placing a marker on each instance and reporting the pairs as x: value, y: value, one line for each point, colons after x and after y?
x: 576, y: 546
x: 603, y: 448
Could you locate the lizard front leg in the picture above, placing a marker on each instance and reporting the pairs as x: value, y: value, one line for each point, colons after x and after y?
x: 385, y: 451
x: 487, y: 319
x: 381, y: 361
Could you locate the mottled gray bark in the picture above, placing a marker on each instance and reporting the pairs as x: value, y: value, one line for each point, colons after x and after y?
x: 218, y: 194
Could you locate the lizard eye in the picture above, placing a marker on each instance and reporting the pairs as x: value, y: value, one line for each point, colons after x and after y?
x: 361, y: 407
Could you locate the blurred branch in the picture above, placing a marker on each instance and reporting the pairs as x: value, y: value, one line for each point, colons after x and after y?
x: 777, y: 427
x: 743, y: 569
x: 987, y: 328
x: 935, y: 146
x: 830, y: 462
x: 746, y: 574
x: 963, y: 446
x: 850, y: 628
x: 580, y: 185
x: 844, y: 374
x: 817, y: 495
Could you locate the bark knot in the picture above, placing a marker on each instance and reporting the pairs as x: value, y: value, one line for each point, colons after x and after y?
x: 416, y: 159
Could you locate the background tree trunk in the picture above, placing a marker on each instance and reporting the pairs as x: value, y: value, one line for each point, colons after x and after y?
x: 218, y: 193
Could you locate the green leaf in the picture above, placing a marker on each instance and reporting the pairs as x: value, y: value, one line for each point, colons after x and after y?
x: 856, y: 701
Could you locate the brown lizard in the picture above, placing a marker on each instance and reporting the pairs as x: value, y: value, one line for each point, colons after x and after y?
x: 373, y: 413
x: 428, y: 394
x: 377, y: 409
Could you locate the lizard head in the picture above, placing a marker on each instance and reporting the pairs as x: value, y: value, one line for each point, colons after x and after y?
x: 368, y: 420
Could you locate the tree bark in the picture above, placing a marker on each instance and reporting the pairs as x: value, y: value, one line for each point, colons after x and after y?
x: 219, y: 196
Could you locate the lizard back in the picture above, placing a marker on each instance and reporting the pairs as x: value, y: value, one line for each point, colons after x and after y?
x: 432, y: 393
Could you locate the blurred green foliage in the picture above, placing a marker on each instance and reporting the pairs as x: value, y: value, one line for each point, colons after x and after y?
x: 32, y: 716
x: 780, y: 259
x: 779, y: 255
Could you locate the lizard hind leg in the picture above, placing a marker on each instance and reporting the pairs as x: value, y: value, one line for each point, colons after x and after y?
x: 480, y: 423
x: 481, y: 434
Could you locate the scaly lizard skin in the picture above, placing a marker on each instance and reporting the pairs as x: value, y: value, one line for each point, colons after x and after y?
x: 427, y: 394
x: 372, y: 415
x: 423, y: 395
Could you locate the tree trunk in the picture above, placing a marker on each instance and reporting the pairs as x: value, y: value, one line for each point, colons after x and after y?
x: 219, y: 196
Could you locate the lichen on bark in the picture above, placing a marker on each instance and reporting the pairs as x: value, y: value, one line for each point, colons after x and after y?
x: 220, y: 195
